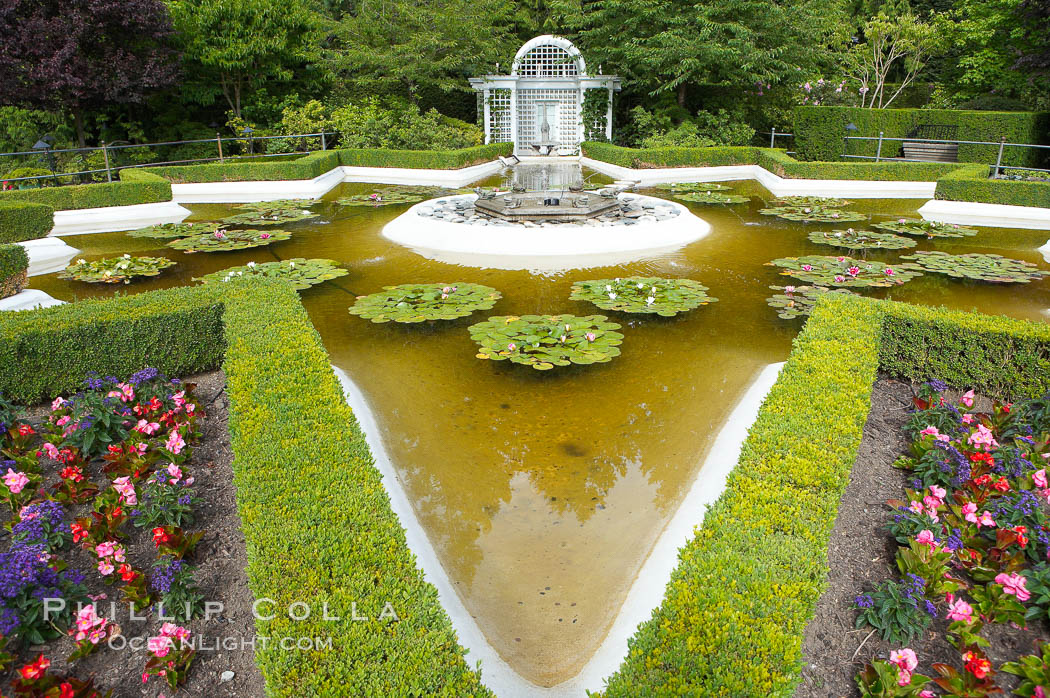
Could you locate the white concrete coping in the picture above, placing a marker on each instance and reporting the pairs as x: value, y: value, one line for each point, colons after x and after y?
x: 544, y: 248
x: 246, y: 192
x: 48, y: 255
x: 115, y: 218
x: 777, y: 186
x: 30, y: 299
x: 647, y: 590
x: 1045, y: 249
x: 993, y: 215
x: 403, y: 175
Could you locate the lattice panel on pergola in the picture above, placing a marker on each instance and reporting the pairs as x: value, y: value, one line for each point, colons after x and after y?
x: 499, y: 116
x: 566, y: 129
x: 548, y: 61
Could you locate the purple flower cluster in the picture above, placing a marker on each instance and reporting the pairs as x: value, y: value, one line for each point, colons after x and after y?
x: 164, y: 575
x: 37, y: 522
x: 146, y: 374
x: 938, y: 386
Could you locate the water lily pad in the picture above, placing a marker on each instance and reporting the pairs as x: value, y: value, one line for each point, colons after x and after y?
x: 390, y: 196
x: 173, y: 231
x: 421, y: 302
x: 809, y: 201
x: 813, y: 214
x: 846, y: 272
x: 115, y: 270
x: 643, y: 294
x: 798, y: 301
x: 861, y: 239
x: 277, y: 205
x: 692, y: 187
x: 931, y: 229
x: 713, y: 198
x: 979, y: 267
x: 229, y: 240
x: 303, y: 273
x: 546, y: 341
x: 267, y: 213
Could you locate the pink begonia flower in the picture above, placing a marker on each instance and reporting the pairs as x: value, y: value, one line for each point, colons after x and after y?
x: 982, y: 437
x: 1014, y: 584
x: 126, y: 489
x: 906, y: 662
x: 175, y: 472
x: 57, y: 403
x: 927, y: 694
x: 105, y: 548
x: 159, y: 646
x: 967, y: 419
x: 51, y: 450
x: 967, y: 398
x: 938, y: 492
x: 959, y: 609
x: 986, y: 520
x: 175, y: 443
x: 930, y: 431
x: 969, y: 511
x: 179, y: 398
x: 15, y: 482
x: 63, y: 420
x: 147, y: 428
x: 105, y: 567
x: 1039, y: 478
x: 1037, y: 693
x: 925, y: 537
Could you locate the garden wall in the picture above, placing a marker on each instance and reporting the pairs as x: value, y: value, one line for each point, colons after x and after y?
x: 753, y: 574
x: 819, y: 132
x: 300, y: 464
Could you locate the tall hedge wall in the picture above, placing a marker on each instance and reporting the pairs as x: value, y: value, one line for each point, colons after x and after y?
x: 23, y: 220
x: 819, y: 132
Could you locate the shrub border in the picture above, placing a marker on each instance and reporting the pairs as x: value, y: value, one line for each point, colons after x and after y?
x: 736, y: 608
x: 14, y: 263
x: 314, y: 532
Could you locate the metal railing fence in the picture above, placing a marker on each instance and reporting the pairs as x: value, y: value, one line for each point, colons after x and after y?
x: 1001, y: 144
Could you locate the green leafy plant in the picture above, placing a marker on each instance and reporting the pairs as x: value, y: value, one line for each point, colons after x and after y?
x: 546, y: 341
x: 643, y: 294
x: 229, y: 240
x: 813, y: 214
x: 713, y: 198
x: 422, y: 302
x: 860, y: 239
x: 846, y: 271
x: 1038, y: 577
x: 992, y: 268
x: 303, y: 273
x: 881, y: 679
x: 115, y: 270
x: 898, y: 611
x: 173, y: 231
x: 931, y: 229
x: 798, y: 301
x: 1034, y: 671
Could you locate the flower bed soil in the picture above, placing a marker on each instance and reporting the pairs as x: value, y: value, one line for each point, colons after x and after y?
x: 219, y: 560
x: 861, y: 554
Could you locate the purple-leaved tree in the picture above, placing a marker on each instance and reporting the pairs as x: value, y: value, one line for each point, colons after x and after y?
x: 76, y: 56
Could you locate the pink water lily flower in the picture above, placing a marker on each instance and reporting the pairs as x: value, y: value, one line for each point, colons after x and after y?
x: 264, y: 236
x: 591, y: 336
x: 888, y: 271
x: 512, y: 346
x: 967, y: 398
x: 789, y: 289
x: 807, y: 267
x: 906, y: 662
x: 853, y: 271
x: 839, y: 278
x: 15, y: 481
x: 1014, y: 584
x: 959, y: 609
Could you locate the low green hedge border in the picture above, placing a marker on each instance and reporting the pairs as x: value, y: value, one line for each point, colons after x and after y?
x: 736, y: 608
x: 316, y: 519
x: 819, y: 132
x: 22, y: 220
x: 14, y: 262
x: 139, y: 188
x: 316, y: 164
x: 972, y: 183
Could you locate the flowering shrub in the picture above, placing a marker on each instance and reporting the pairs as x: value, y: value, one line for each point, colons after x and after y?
x: 973, y: 537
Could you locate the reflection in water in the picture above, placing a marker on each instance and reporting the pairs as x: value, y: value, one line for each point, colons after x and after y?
x: 526, y: 480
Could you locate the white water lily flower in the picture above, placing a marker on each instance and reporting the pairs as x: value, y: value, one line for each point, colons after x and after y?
x: 650, y: 300
x: 127, y: 256
x: 251, y: 265
x: 608, y: 287
x: 641, y: 286
x: 291, y: 265
x: 240, y: 273
x: 612, y: 296
x: 81, y: 261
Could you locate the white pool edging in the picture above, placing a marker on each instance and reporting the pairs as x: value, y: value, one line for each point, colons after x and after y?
x: 544, y: 248
x: 777, y: 186
x: 993, y: 215
x: 452, y: 179
x: 48, y: 255
x: 30, y: 299
x: 647, y: 590
x: 112, y: 219
x: 246, y: 192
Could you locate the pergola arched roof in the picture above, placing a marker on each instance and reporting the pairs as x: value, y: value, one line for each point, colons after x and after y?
x: 548, y: 56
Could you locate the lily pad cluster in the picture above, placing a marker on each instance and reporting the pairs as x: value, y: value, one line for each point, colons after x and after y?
x: 846, y: 272
x: 266, y: 214
x: 422, y: 302
x: 713, y: 198
x: 115, y: 270
x: 391, y: 196
x: 692, y: 187
x: 931, y: 229
x: 302, y: 273
x: 643, y: 294
x: 852, y: 239
x: 223, y: 240
x: 798, y: 301
x: 173, y: 231
x: 810, y: 201
x: 980, y: 267
x: 546, y: 341
x: 276, y: 205
x: 813, y: 214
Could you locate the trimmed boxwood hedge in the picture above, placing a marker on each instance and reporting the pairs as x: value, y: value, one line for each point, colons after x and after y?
x: 425, y: 159
x: 819, y: 132
x: 138, y: 189
x: 317, y: 522
x: 972, y: 183
x: 736, y: 608
x: 22, y: 220
x: 14, y: 262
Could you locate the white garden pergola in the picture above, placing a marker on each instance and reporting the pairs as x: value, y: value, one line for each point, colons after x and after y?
x: 539, y: 106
